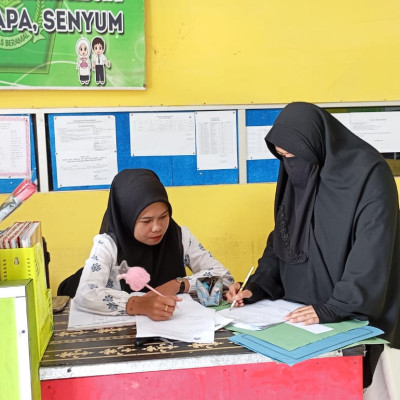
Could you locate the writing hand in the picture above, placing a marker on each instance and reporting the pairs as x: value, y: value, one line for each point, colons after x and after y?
x: 305, y: 315
x: 233, y: 293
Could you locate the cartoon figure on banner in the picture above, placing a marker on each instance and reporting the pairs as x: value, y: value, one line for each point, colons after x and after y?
x: 83, y: 63
x: 99, y: 60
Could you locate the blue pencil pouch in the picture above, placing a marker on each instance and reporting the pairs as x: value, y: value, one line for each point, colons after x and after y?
x: 209, y: 290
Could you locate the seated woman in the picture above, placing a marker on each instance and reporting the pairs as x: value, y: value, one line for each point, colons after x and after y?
x: 137, y: 227
x: 335, y: 246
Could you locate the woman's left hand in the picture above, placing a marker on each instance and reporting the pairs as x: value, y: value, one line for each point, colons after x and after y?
x: 305, y: 315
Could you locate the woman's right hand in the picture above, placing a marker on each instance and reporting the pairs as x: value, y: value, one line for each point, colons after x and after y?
x: 158, y: 308
x: 233, y: 293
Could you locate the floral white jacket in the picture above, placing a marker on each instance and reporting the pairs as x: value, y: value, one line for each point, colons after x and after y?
x: 100, y: 291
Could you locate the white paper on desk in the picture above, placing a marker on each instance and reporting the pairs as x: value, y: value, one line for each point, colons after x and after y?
x: 221, y: 321
x: 266, y: 313
x: 81, y: 320
x: 261, y: 314
x: 191, y: 322
x: 314, y: 328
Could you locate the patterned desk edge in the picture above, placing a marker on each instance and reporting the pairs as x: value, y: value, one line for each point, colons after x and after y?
x: 112, y: 351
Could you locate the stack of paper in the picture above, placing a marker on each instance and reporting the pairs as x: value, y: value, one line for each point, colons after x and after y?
x: 191, y: 322
x: 308, y: 351
x: 292, y: 343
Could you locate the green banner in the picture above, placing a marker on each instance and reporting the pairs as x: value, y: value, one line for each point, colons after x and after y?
x: 72, y: 44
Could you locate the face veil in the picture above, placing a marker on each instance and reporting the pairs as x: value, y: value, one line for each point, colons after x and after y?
x: 294, y: 209
x: 297, y: 183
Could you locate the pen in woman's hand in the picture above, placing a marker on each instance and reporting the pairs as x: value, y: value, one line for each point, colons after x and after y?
x: 241, y: 288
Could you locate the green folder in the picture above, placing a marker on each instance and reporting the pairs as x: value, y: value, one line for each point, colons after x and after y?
x: 290, y: 337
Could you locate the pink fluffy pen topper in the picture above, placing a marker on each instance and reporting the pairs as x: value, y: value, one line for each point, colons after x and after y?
x: 136, y: 277
x: 22, y: 192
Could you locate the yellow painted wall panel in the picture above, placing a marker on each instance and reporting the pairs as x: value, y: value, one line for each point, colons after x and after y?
x: 237, y: 52
x: 232, y: 221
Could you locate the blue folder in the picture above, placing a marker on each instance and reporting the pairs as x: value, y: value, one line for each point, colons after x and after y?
x: 308, y: 351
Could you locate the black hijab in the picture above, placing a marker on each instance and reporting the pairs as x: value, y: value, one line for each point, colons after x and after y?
x: 132, y: 190
x: 343, y: 221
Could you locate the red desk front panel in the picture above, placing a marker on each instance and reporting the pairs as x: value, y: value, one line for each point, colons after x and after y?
x: 331, y: 378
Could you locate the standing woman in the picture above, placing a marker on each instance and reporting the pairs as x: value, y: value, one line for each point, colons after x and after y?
x: 138, y: 227
x: 83, y: 61
x: 335, y: 247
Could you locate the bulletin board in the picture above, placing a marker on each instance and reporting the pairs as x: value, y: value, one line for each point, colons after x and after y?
x: 173, y: 170
x: 262, y: 170
x: 7, y: 185
x: 379, y: 126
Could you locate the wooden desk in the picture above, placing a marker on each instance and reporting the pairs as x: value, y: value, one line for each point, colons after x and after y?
x: 104, y: 364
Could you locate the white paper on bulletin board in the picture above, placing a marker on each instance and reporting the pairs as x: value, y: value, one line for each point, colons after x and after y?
x: 257, y: 149
x: 216, y: 140
x: 162, y: 134
x: 86, y: 150
x: 380, y: 129
x: 15, y: 150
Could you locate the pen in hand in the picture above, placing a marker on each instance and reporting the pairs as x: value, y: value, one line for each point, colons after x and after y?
x: 241, y: 288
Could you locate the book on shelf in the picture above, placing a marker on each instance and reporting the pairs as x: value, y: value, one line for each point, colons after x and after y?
x: 14, y: 239
x: 8, y: 235
x: 31, y: 235
x: 21, y: 235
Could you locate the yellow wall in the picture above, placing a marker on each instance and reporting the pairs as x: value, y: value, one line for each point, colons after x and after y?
x: 254, y: 52
x: 232, y: 221
x: 227, y: 52
x: 223, y: 52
